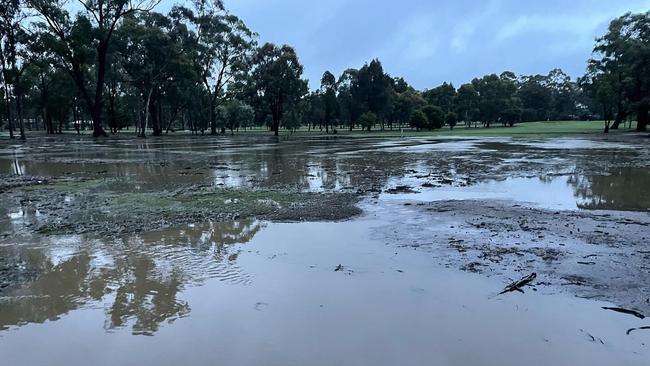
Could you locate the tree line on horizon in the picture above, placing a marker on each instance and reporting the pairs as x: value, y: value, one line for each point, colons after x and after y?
x: 119, y: 64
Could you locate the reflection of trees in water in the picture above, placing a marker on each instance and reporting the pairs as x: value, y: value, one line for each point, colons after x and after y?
x: 57, y: 290
x: 623, y: 189
x: 142, y: 283
x: 147, y: 296
x: 315, y: 165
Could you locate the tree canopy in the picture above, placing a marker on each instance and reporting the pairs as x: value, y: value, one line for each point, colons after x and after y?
x: 120, y: 64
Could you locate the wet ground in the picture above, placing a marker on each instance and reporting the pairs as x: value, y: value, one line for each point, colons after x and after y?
x: 324, y: 251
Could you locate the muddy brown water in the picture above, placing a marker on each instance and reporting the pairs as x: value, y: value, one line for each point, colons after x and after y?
x: 251, y: 292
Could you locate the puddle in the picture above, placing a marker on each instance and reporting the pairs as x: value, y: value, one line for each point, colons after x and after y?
x: 390, y: 307
x: 624, y: 189
x: 382, y: 289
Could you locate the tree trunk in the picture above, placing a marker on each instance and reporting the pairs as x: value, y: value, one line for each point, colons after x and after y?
x: 146, y: 114
x: 213, y: 117
x: 75, y: 117
x: 642, y: 117
x: 155, y: 117
x: 276, y: 126
x: 96, y: 112
x: 9, y: 118
x: 620, y: 117
x: 19, y: 109
x: 111, y: 109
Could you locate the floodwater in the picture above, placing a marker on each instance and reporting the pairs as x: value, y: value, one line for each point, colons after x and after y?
x: 625, y: 189
x: 251, y: 292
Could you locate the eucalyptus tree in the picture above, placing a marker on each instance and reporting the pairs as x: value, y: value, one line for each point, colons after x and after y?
x: 368, y: 120
x: 435, y: 117
x: 152, y: 59
x: 372, y: 90
x: 451, y: 119
x: 224, y: 46
x: 467, y: 102
x: 443, y: 96
x: 418, y: 120
x: 564, y: 94
x: 406, y: 103
x: 349, y: 110
x: 50, y: 90
x: 234, y: 114
x: 536, y: 97
x: 82, y: 43
x: 623, y: 57
x: 12, y: 59
x: 600, y: 89
x: 496, y: 94
x: 277, y: 74
x: 315, y: 111
x: 330, y: 103
x: 296, y: 116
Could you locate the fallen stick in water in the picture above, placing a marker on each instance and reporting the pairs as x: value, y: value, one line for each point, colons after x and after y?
x: 626, y: 311
x: 517, y: 285
x: 640, y: 328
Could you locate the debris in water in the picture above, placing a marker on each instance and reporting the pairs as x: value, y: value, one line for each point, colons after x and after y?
x: 260, y: 306
x: 517, y: 285
x: 401, y: 189
x: 592, y: 338
x: 626, y: 311
x: 338, y: 268
x: 629, y: 331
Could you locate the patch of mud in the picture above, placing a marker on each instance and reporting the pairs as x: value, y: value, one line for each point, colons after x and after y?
x: 80, y: 208
x: 594, y: 254
x: 9, y: 182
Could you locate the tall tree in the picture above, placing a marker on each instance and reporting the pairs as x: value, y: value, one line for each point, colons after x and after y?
x: 330, y: 103
x: 152, y: 59
x: 467, y: 103
x: 349, y: 110
x: 11, y: 17
x: 224, y: 48
x: 372, y: 90
x: 96, y: 26
x: 444, y: 96
x: 496, y: 93
x: 277, y: 74
x: 623, y: 56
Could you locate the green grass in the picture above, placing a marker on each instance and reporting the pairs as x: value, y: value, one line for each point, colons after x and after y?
x: 542, y: 128
x: 548, y: 128
x: 525, y: 129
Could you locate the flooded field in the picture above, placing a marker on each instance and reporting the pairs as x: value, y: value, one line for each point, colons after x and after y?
x: 370, y: 251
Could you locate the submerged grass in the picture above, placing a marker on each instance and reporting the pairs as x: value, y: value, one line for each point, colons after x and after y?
x: 113, y: 213
x: 67, y: 185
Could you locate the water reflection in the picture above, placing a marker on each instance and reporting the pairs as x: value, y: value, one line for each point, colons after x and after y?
x: 145, y: 295
x: 623, y: 189
x: 139, y: 280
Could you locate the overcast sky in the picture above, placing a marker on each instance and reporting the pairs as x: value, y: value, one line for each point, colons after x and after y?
x: 431, y: 41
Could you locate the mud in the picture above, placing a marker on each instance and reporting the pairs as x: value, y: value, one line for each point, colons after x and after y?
x: 593, y: 254
x: 81, y: 208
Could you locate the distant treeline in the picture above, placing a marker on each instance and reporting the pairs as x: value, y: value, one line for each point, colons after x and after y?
x: 111, y: 65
